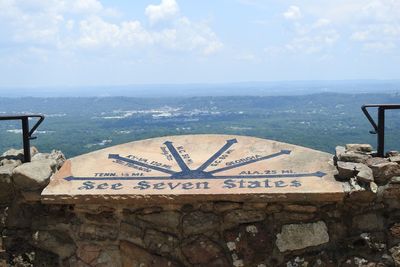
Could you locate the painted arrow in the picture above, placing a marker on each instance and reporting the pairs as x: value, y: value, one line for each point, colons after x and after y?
x: 176, y: 156
x: 118, y: 157
x: 228, y: 144
x: 286, y: 175
x: 282, y: 152
x: 270, y: 176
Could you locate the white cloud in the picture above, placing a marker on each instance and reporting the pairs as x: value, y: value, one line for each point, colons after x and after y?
x: 375, y: 24
x: 314, y: 43
x: 293, y: 13
x: 166, y: 9
x: 184, y: 35
x: 86, y: 24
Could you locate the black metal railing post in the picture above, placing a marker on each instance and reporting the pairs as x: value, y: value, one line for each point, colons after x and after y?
x: 381, y: 132
x: 379, y: 128
x: 26, y: 133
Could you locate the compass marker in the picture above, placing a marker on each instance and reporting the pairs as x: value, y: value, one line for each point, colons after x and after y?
x: 282, y: 152
x: 118, y: 157
x: 228, y: 144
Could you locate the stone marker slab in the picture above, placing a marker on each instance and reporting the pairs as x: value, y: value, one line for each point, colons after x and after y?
x: 196, y: 167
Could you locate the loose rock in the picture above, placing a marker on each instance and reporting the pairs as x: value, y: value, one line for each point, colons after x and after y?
x: 383, y: 172
x: 350, y: 156
x: 33, y: 176
x: 359, y: 147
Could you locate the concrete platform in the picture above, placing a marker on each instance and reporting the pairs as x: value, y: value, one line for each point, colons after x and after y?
x: 204, y: 167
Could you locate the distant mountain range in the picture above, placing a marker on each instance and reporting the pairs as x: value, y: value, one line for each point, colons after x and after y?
x: 283, y: 88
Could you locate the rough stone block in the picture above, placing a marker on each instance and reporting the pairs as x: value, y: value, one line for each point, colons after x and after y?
x: 359, y: 147
x: 132, y: 255
x: 55, y: 155
x: 367, y: 222
x: 365, y: 174
x: 168, y: 220
x: 202, y: 251
x: 244, y: 216
x: 299, y: 236
x: 383, y: 172
x: 348, y: 169
x: 249, y: 243
x: 300, y: 208
x: 395, y: 159
x: 54, y: 241
x: 33, y: 176
x: 199, y: 222
x: 351, y: 156
x: 6, y: 186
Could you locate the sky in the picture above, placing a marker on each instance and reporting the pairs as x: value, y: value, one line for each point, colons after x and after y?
x: 104, y: 42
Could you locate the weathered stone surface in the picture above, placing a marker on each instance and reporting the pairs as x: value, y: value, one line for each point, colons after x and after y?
x: 383, y: 172
x: 33, y: 175
x: 367, y: 222
x: 300, y: 208
x: 299, y: 236
x: 98, y: 232
x: 395, y: 252
x: 395, y: 180
x: 134, y: 256
x: 244, y: 216
x: 365, y: 174
x: 339, y: 150
x: 226, y: 206
x: 359, y: 147
x: 395, y: 230
x: 168, y: 220
x: 17, y: 154
x: 159, y: 242
x: 249, y: 244
x: 177, y: 181
x: 6, y: 186
x: 55, y: 155
x: 347, y: 169
x: 395, y: 159
x: 109, y: 256
x: 88, y: 253
x: 287, y: 217
x: 199, y: 222
x: 373, y: 187
x: 392, y: 153
x: 54, y: 241
x: 376, y: 160
x: 351, y: 156
x: 201, y: 250
x: 131, y: 233
x: 105, y: 217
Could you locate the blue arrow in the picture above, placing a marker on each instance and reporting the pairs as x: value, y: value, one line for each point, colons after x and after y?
x: 118, y: 157
x: 286, y: 175
x: 72, y: 178
x: 282, y: 152
x: 176, y: 156
x: 228, y: 144
x: 270, y: 176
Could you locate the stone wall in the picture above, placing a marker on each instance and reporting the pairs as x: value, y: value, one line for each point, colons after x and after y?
x: 363, y: 230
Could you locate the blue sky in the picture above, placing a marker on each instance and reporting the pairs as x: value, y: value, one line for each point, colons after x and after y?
x: 93, y: 42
